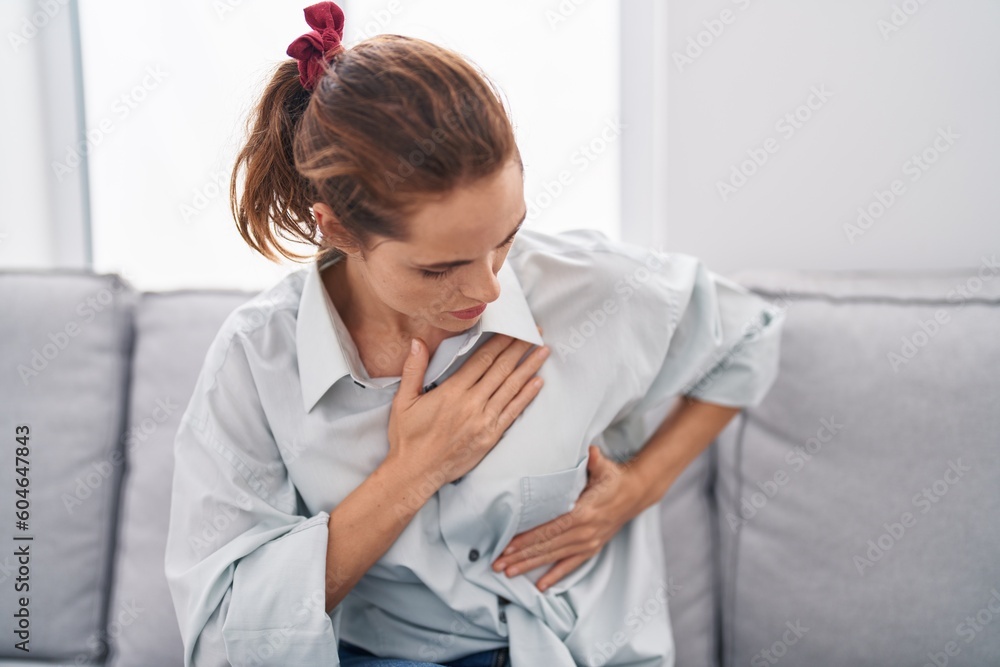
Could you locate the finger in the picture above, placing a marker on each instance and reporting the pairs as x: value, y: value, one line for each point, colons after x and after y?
x: 414, y: 368
x: 504, y: 366
x: 514, y: 385
x: 537, y: 549
x: 542, y: 533
x: 554, y: 534
x: 549, y: 556
x: 560, y: 570
x: 481, y: 361
x: 510, y: 409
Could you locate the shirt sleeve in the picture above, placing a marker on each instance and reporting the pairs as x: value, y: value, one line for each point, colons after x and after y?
x: 726, y: 344
x: 712, y: 339
x: 245, y: 568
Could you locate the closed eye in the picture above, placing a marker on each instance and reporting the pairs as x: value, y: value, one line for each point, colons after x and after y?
x: 442, y: 274
x: 435, y: 274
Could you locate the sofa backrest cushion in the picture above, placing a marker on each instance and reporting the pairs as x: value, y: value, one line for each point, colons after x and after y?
x: 858, y: 503
x: 173, y: 332
x: 66, y: 339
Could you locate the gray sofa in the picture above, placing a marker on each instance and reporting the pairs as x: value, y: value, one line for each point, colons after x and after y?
x: 852, y: 518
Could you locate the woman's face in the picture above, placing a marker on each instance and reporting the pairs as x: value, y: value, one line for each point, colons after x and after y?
x: 457, y: 246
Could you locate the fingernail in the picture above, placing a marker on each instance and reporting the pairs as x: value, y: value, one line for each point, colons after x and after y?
x: 414, y: 348
x: 499, y: 566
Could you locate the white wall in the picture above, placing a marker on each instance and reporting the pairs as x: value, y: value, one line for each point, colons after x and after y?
x: 891, y: 92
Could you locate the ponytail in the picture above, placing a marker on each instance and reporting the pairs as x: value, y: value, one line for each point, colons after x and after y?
x: 273, y: 189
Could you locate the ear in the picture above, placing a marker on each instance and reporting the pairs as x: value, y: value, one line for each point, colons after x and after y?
x: 332, y: 231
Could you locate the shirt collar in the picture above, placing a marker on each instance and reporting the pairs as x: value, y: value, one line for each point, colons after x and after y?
x: 326, y: 352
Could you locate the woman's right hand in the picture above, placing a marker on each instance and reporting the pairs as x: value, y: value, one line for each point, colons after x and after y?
x: 447, y: 431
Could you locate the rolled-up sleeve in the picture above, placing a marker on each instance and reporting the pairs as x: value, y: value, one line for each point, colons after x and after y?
x: 698, y: 334
x: 726, y: 345
x: 245, y: 567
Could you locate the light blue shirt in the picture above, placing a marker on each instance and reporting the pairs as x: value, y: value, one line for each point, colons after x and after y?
x: 284, y: 423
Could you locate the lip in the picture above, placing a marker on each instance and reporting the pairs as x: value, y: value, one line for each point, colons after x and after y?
x: 469, y: 313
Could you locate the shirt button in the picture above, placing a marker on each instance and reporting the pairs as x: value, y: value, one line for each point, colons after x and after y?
x: 474, y: 555
x: 503, y: 612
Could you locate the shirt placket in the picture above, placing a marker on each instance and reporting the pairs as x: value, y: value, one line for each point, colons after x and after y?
x: 468, y: 538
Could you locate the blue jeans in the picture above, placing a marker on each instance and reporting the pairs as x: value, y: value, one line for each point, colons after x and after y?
x: 355, y: 656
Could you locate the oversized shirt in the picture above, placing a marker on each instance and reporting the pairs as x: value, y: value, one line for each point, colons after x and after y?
x: 285, y: 422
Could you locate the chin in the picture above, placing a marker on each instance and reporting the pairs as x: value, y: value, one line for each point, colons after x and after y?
x: 461, y: 325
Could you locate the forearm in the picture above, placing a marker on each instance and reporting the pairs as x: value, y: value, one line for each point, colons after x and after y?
x: 686, y: 432
x: 367, y: 522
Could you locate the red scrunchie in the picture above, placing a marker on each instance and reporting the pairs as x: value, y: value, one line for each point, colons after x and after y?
x: 327, y: 21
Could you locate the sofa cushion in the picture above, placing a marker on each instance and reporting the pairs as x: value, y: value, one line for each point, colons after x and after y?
x: 858, y: 503
x: 173, y: 332
x: 63, y: 374
x: 689, y: 546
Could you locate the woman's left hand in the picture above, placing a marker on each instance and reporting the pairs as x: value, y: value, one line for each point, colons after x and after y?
x: 613, y: 496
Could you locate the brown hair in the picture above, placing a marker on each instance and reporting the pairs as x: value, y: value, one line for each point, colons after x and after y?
x: 392, y: 122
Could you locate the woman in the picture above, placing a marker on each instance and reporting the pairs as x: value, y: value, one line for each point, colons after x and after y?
x: 341, y: 496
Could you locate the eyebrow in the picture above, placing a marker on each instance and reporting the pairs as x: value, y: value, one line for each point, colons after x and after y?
x: 462, y: 262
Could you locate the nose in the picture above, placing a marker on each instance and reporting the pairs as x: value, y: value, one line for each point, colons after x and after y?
x: 482, y: 284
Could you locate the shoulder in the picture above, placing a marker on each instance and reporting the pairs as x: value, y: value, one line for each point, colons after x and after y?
x: 591, y: 243
x: 264, y: 322
x: 591, y: 267
x: 591, y: 251
x: 591, y: 292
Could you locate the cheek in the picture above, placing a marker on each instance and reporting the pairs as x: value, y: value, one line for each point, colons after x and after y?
x: 417, y: 296
x: 395, y: 289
